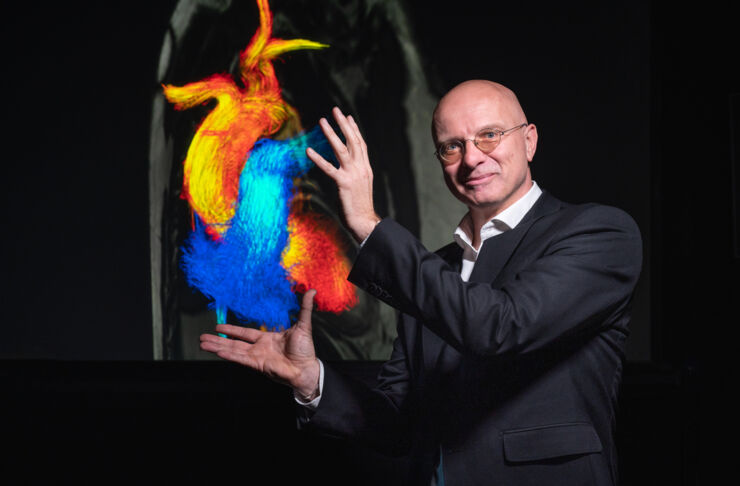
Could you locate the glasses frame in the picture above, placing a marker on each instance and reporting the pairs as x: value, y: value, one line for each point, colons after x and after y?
x: 499, y: 133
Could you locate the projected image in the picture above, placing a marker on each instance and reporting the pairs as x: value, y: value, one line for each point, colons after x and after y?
x: 245, y: 251
x: 242, y: 223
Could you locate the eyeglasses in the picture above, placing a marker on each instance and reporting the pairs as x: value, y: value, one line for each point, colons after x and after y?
x: 486, y: 140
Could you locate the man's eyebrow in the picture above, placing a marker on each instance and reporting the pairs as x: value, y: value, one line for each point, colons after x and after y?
x: 440, y: 141
x: 491, y: 126
x: 487, y: 126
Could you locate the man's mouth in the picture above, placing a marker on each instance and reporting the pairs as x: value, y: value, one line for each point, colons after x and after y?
x: 479, y: 179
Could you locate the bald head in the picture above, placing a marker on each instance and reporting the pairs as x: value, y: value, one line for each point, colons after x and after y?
x: 468, y: 93
x: 488, y: 179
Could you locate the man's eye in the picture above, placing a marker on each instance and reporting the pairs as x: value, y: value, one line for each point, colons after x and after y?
x: 451, y: 148
x: 487, y: 135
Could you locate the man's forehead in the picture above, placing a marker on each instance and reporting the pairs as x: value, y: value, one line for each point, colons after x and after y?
x: 469, y: 118
x: 475, y: 105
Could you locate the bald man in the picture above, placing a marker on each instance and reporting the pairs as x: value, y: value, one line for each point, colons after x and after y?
x: 510, y: 339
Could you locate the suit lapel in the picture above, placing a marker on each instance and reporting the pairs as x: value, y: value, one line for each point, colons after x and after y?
x: 497, y: 251
x: 492, y: 258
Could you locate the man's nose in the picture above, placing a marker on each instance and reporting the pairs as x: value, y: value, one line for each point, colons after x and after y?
x: 473, y: 155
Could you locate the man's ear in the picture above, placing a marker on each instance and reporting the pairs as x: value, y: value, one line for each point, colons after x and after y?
x: 530, y: 139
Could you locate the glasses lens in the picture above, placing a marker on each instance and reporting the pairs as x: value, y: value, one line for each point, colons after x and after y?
x: 486, y: 140
x: 450, y: 152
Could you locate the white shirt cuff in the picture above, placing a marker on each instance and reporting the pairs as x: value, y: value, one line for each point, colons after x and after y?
x: 368, y: 236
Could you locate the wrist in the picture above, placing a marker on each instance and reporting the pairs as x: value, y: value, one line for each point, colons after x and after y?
x: 362, y: 229
x: 307, y: 387
x: 308, y: 398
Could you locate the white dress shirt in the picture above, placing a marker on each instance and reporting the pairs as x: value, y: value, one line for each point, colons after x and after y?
x: 505, y: 220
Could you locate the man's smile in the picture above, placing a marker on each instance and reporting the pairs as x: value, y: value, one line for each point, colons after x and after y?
x: 479, y: 179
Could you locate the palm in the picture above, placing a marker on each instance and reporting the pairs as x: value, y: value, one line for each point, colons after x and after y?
x: 287, y: 357
x: 281, y: 355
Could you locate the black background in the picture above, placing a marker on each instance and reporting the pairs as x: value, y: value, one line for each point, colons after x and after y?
x: 76, y: 329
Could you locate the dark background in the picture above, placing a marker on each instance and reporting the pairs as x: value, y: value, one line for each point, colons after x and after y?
x: 83, y: 400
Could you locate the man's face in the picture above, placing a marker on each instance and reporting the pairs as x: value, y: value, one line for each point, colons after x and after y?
x: 486, y: 182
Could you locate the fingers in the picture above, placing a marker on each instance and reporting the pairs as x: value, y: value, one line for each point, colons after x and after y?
x: 348, y: 154
x: 356, y: 130
x: 229, y: 349
x: 304, y: 316
x: 361, y: 142
x: 244, y: 333
x: 326, y: 166
x: 351, y: 135
x: 214, y: 343
x: 355, y: 144
x: 340, y: 150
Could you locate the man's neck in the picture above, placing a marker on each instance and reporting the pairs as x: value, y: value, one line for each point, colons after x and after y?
x: 479, y: 216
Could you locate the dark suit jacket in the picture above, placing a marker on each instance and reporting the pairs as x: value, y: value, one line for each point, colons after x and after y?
x: 515, y: 373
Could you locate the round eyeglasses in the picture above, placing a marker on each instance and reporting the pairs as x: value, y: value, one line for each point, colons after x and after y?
x: 451, y: 152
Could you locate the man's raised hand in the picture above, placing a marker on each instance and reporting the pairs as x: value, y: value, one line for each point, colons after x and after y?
x: 354, y: 177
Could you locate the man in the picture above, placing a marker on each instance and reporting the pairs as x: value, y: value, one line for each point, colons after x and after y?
x: 510, y: 341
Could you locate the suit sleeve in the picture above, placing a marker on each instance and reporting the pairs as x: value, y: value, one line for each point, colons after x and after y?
x: 579, y: 280
x: 376, y: 417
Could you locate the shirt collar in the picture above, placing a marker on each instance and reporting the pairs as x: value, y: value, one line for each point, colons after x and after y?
x: 505, y: 220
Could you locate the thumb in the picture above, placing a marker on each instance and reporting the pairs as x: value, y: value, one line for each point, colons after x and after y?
x: 304, y: 316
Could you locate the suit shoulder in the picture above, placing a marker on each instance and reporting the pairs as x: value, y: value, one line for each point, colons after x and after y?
x: 598, y: 215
